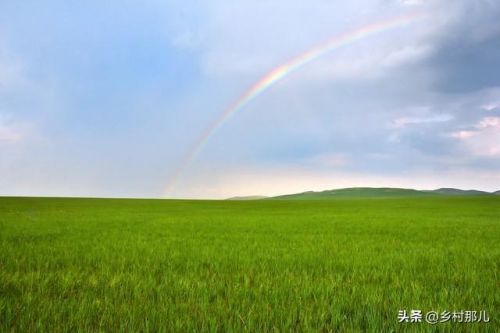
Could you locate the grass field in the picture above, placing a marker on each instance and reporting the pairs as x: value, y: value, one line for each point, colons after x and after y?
x: 349, y: 265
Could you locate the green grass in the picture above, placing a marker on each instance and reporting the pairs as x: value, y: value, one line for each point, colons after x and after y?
x: 69, y: 265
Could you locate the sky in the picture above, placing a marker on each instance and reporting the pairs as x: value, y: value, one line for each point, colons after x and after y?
x: 108, y: 98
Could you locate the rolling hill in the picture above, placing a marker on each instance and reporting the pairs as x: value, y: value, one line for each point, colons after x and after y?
x: 383, y: 192
x: 454, y: 191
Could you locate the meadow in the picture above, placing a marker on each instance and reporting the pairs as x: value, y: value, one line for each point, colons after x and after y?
x: 347, y: 265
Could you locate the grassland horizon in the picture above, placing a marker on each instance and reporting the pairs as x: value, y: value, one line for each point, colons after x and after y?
x: 346, y: 192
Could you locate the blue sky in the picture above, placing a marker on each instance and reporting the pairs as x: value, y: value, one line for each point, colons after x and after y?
x: 105, y: 98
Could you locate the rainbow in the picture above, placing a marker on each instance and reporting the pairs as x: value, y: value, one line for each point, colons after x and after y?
x: 281, y: 72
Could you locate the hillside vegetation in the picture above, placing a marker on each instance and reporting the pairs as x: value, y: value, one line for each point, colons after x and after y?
x: 382, y: 192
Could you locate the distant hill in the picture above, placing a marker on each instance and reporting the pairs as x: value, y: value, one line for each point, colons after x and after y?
x: 454, y: 191
x: 496, y: 193
x: 374, y: 192
x: 250, y: 197
x: 356, y: 192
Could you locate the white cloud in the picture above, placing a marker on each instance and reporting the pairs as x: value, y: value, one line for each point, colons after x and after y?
x: 462, y: 135
x: 406, y: 54
x: 405, y: 121
x: 490, y: 106
x: 483, y: 139
x: 419, y: 115
x: 489, y: 122
x: 367, y: 60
